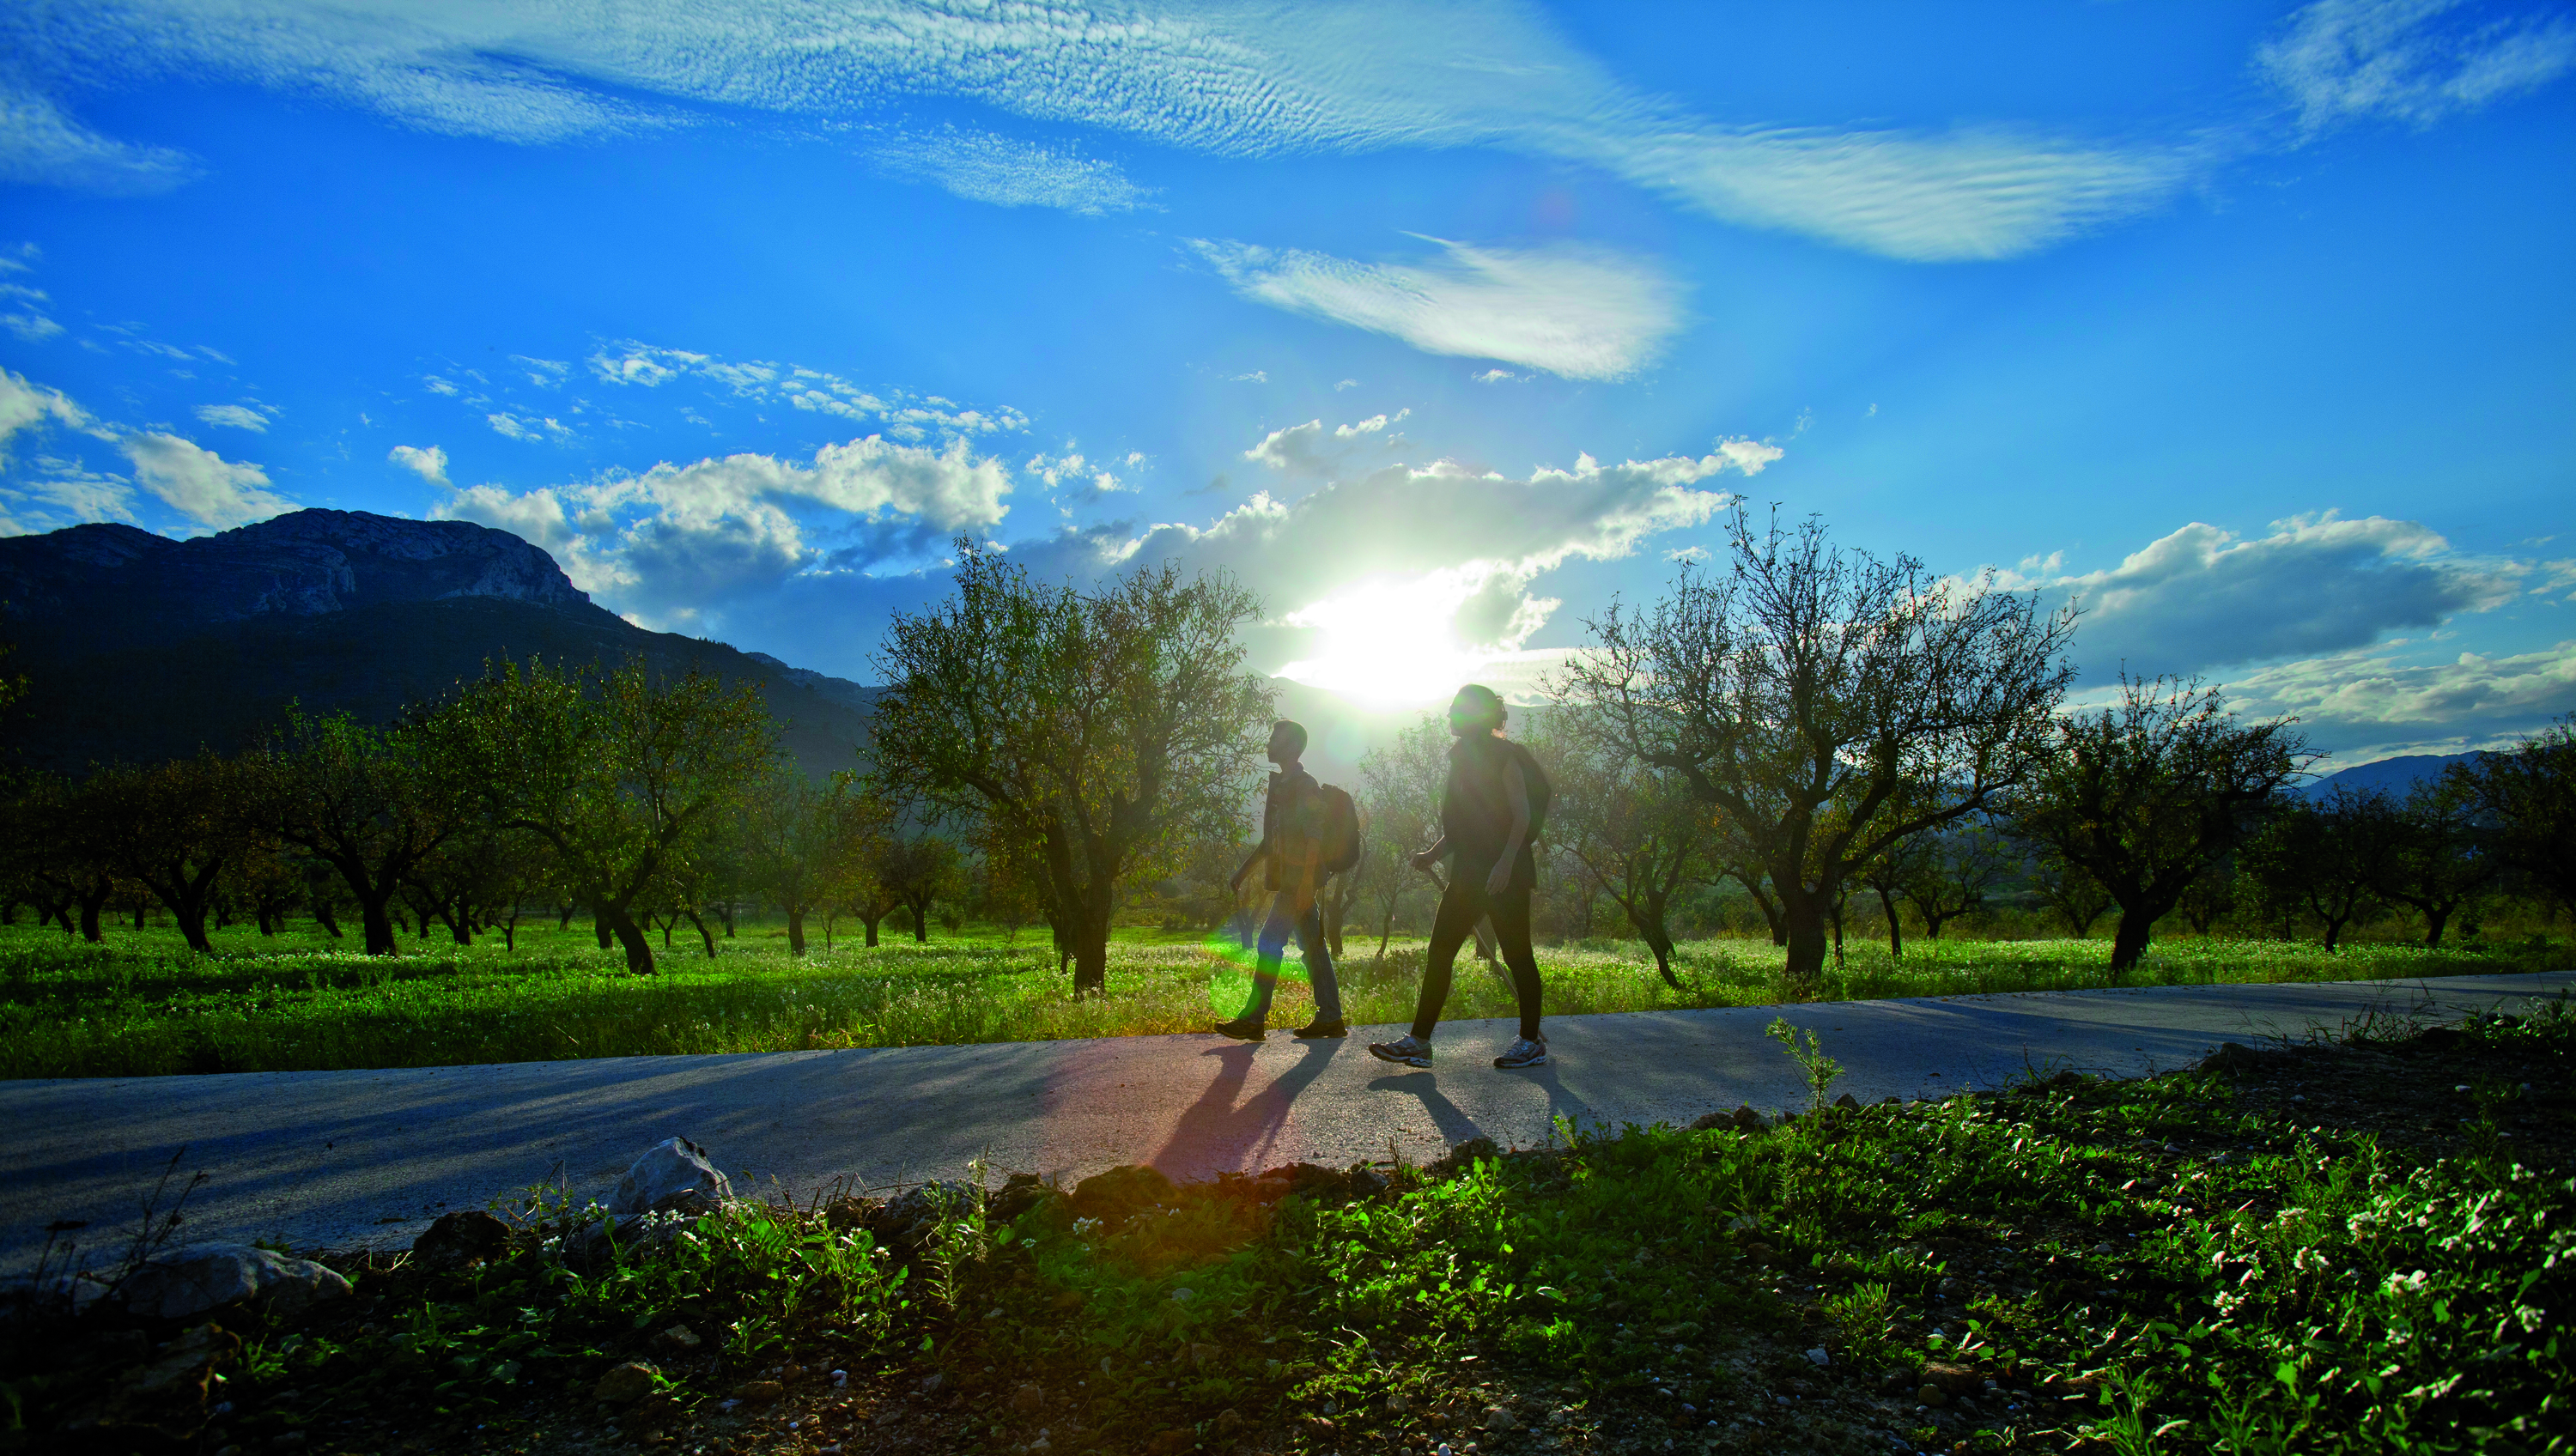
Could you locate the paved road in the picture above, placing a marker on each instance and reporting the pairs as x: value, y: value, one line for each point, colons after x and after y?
x: 339, y: 1159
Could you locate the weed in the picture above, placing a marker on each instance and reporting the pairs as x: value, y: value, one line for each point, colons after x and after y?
x: 1818, y: 1070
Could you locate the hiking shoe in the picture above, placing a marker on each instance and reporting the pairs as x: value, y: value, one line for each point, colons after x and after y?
x: 1242, y: 1028
x: 1523, y: 1052
x: 1315, y: 1029
x: 1407, y: 1050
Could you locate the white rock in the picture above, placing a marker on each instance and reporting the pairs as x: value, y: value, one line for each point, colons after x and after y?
x: 193, y: 1279
x: 674, y: 1177
x: 1819, y: 1356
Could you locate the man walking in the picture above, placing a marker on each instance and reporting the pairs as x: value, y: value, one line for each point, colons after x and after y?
x: 1291, y: 852
x: 1488, y: 812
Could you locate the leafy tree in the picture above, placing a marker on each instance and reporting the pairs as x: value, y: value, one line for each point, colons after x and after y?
x: 1636, y: 832
x: 2209, y: 897
x: 2527, y: 793
x: 2318, y: 857
x: 2422, y: 851
x: 801, y: 842
x: 1102, y: 728
x: 1956, y: 870
x: 2148, y: 794
x: 625, y: 777
x: 2071, y: 892
x: 1400, y: 787
x: 52, y: 859
x: 373, y: 804
x: 172, y: 828
x: 1801, y: 692
x: 919, y: 870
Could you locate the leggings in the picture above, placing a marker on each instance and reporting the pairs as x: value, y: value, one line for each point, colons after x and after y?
x: 1460, y: 907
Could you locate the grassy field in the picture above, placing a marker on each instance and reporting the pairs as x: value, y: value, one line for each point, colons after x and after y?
x: 141, y: 1004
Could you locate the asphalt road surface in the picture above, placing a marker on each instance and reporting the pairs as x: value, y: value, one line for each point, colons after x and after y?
x: 341, y: 1159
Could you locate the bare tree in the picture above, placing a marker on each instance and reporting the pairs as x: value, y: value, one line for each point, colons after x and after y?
x: 1635, y: 831
x: 1099, y: 727
x: 2319, y: 856
x: 1958, y: 867
x: 1809, y: 683
x: 2147, y: 794
x: 2423, y: 850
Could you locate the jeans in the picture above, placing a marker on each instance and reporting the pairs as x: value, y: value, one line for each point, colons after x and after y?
x: 1461, y: 906
x: 1309, y: 930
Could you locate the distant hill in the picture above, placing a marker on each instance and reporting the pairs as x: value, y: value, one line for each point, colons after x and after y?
x: 2394, y: 775
x: 141, y: 648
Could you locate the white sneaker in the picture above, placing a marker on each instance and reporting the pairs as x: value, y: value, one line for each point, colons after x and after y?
x: 1407, y: 1050
x: 1523, y: 1052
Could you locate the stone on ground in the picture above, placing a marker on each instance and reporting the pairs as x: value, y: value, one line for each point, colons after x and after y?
x: 673, y: 1177
x: 191, y: 1280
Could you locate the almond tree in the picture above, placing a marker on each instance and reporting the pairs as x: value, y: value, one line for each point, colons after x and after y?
x: 1100, y: 728
x: 623, y: 776
x: 1799, y: 693
x: 801, y: 842
x: 1637, y: 833
x: 2527, y: 794
x: 172, y: 828
x: 374, y: 804
x: 2148, y: 794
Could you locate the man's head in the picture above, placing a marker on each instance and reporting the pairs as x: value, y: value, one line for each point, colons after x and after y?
x: 1477, y: 710
x: 1287, y: 742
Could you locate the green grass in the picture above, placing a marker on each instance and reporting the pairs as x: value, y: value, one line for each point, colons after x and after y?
x: 143, y: 1005
x: 2128, y: 1290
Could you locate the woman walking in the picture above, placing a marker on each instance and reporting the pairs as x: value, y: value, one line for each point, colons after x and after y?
x: 1490, y: 810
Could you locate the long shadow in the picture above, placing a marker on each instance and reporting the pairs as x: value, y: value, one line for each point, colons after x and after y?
x: 1455, y: 1125
x: 1216, y: 1132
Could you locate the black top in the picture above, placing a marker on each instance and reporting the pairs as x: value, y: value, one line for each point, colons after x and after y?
x: 1476, y: 812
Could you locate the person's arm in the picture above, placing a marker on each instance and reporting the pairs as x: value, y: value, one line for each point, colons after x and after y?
x: 1516, y: 794
x: 1267, y: 830
x: 1432, y: 856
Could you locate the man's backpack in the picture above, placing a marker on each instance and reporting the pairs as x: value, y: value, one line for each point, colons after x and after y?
x: 1534, y: 783
x: 1341, y: 847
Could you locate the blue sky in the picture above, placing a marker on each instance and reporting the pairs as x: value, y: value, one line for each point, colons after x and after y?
x: 2248, y: 325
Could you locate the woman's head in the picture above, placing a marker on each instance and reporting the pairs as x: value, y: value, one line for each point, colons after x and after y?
x: 1477, y: 709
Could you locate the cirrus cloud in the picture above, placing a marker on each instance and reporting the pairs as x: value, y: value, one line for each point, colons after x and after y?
x: 1580, y: 312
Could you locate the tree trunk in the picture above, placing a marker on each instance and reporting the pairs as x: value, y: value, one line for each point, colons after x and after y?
x: 921, y: 920
x: 1895, y: 931
x: 1386, y: 928
x: 703, y: 933
x: 1802, y: 918
x: 563, y: 916
x: 870, y: 921
x: 795, y: 930
x: 599, y: 927
x: 1662, y: 945
x: 621, y: 924
x: 375, y: 916
x: 2129, y: 941
x: 1091, y: 943
x: 2435, y: 917
x: 90, y: 906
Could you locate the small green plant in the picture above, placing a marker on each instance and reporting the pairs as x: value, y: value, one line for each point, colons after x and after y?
x: 1818, y: 1069
x: 1862, y: 1315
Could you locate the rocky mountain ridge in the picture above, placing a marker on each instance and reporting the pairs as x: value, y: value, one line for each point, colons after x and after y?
x: 139, y: 647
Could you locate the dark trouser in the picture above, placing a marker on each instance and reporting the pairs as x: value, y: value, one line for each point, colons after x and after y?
x: 1460, y: 907
x: 1309, y: 930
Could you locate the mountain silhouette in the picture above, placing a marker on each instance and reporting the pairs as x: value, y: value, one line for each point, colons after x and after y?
x: 140, y: 648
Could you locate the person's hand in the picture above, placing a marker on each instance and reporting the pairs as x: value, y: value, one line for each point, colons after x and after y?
x: 1426, y: 859
x: 1237, y: 882
x: 1500, y: 880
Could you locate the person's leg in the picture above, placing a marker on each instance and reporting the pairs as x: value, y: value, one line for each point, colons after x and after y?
x: 1319, y: 967
x: 1511, y: 914
x: 1266, y: 956
x: 1460, y: 905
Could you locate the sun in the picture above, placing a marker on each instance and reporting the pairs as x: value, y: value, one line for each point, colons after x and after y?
x: 1389, y: 643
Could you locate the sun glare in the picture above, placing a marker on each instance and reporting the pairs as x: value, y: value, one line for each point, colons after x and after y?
x: 1389, y: 643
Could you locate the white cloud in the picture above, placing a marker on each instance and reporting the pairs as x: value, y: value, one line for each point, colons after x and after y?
x: 199, y: 484
x: 2352, y: 698
x: 1245, y: 82
x: 2201, y: 598
x: 429, y: 464
x: 544, y: 373
x: 41, y: 144
x: 1582, y: 312
x: 1431, y: 539
x: 529, y: 428
x: 1498, y: 376
x: 239, y: 417
x: 24, y: 405
x: 29, y: 322
x: 65, y: 494
x: 437, y: 385
x: 981, y: 166
x: 902, y: 415
x: 1307, y: 450
x: 1341, y: 385
x: 2412, y: 60
x: 680, y: 541
x: 1257, y: 376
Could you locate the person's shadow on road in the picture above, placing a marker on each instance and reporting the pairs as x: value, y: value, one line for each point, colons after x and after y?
x: 1455, y: 1125
x: 1216, y: 1134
